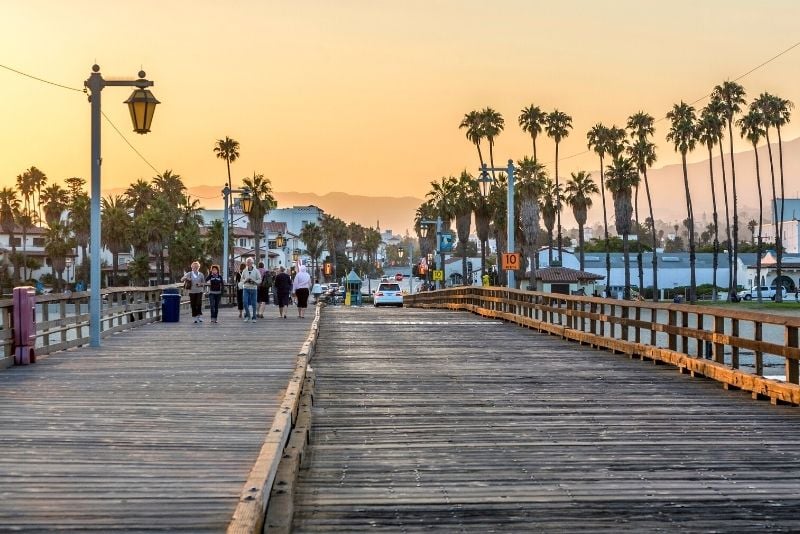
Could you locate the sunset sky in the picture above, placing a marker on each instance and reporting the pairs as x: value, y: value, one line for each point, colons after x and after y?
x: 366, y: 96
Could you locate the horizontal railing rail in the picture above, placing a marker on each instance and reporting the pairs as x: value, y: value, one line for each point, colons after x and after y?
x: 62, y: 320
x: 753, y: 351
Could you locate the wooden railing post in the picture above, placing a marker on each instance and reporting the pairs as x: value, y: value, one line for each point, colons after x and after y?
x: 792, y: 370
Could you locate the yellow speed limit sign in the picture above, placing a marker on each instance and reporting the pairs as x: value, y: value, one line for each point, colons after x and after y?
x: 511, y: 261
x: 438, y: 275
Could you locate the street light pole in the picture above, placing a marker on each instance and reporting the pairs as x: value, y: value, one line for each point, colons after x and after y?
x: 142, y: 106
x: 510, y: 216
x: 226, y: 191
x: 438, y: 223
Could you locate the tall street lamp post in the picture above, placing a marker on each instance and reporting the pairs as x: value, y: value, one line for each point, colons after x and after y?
x: 400, y: 252
x: 438, y: 223
x: 510, y: 216
x: 247, y: 203
x: 142, y: 105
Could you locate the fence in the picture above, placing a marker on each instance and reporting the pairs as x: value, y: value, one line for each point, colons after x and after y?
x: 62, y: 320
x: 734, y: 347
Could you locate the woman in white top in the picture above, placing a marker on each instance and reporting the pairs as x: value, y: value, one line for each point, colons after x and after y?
x: 301, y: 287
x: 197, y: 282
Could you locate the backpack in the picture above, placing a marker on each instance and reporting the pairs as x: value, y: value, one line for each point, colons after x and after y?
x: 266, y: 280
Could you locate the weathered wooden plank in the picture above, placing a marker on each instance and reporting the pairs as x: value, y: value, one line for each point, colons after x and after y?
x: 437, y: 420
x: 157, y: 429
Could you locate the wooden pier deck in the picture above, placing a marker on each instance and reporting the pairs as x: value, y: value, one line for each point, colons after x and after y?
x: 442, y: 421
x: 155, y: 431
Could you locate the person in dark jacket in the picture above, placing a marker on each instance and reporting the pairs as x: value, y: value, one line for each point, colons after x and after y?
x: 283, y: 290
x: 239, y: 291
x: 215, y: 285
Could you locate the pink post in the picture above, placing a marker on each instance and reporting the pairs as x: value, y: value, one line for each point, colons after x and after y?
x: 24, y: 318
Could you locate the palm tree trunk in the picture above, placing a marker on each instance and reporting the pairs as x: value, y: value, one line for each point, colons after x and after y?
x: 626, y: 254
x: 735, y: 244
x: 558, y: 208
x: 760, y: 224
x: 653, y: 231
x: 715, y: 257
x: 580, y: 244
x: 690, y: 217
x: 605, y: 225
x: 778, y: 236
x: 731, y: 284
x: 639, y: 262
x: 779, y: 230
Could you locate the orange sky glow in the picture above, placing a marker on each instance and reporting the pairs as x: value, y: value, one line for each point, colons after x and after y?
x: 364, y: 96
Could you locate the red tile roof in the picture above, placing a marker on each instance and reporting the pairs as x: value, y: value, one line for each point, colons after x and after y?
x: 565, y: 275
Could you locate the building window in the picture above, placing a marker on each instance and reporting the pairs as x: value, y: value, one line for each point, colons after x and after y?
x: 243, y: 242
x: 17, y: 241
x: 38, y: 241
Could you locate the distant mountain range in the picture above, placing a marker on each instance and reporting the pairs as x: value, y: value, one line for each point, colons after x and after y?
x: 397, y: 213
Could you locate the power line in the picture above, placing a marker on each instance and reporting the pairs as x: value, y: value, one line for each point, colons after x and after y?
x: 749, y: 72
x: 83, y: 91
x: 42, y: 80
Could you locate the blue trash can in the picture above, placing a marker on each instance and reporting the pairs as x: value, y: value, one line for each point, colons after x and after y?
x: 170, y: 305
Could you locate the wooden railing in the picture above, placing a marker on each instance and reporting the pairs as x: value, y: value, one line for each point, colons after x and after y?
x: 735, y: 347
x: 62, y: 320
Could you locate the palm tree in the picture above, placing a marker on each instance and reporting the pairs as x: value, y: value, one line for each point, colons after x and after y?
x: 9, y: 211
x: 262, y: 202
x: 492, y: 123
x: 80, y: 221
x: 532, y: 120
x: 58, y: 244
x: 227, y: 149
x: 730, y: 96
x: 314, y: 239
x: 25, y: 187
x: 578, y: 194
x: 548, y: 204
x: 465, y: 192
x: 335, y: 231
x: 709, y: 128
x: 37, y: 180
x: 115, y: 230
x: 683, y: 134
x: 497, y: 202
x: 597, y: 138
x: 530, y: 187
x: 474, y: 126
x: 213, y: 242
x: 55, y: 200
x: 752, y: 128
x: 717, y: 108
x: 643, y: 152
x: 752, y: 225
x: 776, y: 113
x: 139, y: 196
x: 621, y: 178
x: 558, y: 126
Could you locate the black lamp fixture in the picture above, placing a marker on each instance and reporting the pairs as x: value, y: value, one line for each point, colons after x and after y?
x: 246, y: 201
x: 142, y: 105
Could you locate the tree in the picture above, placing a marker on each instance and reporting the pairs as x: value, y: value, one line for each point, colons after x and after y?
x: 80, y: 222
x: 643, y: 152
x: 213, y: 241
x: 730, y: 98
x: 312, y: 235
x: 598, y: 138
x: 465, y: 193
x: 262, y: 202
x: 474, y: 130
x: 530, y: 187
x: 548, y: 204
x: 492, y: 123
x: 683, y: 134
x: 709, y: 129
x: 55, y: 200
x: 139, y: 196
x: 9, y: 212
x: 228, y: 149
x: 621, y: 178
x: 752, y: 128
x: 558, y: 126
x: 335, y: 231
x: 115, y: 232
x: 58, y: 244
x: 751, y: 225
x: 532, y: 120
x: 776, y: 113
x: 578, y: 194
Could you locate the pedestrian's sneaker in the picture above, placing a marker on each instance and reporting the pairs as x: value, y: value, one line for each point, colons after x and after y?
x: 246, y: 318
x: 254, y: 320
x: 195, y: 321
x: 200, y: 319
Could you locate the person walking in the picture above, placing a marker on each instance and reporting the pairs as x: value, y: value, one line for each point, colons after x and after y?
x: 283, y: 289
x: 263, y: 289
x: 250, y: 280
x: 239, y: 291
x: 215, y: 284
x: 194, y: 281
x: 302, y: 287
x: 316, y: 290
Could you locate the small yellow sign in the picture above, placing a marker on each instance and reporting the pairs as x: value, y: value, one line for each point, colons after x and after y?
x: 438, y: 275
x: 511, y: 261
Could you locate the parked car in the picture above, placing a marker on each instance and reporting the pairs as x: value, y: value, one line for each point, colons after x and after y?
x: 388, y: 294
x: 766, y: 293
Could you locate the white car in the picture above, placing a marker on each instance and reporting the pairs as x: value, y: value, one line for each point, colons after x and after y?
x: 766, y: 293
x: 388, y: 294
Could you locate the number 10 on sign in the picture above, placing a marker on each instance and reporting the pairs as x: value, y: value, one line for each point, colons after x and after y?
x: 511, y: 261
